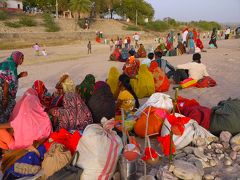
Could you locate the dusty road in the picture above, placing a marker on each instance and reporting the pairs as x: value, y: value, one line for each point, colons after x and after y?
x: 223, y: 64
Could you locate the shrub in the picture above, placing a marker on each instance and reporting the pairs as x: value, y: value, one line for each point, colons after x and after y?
x: 27, y: 21
x: 13, y: 24
x: 3, y: 15
x: 207, y: 26
x: 50, y: 24
x: 159, y: 26
x: 132, y: 28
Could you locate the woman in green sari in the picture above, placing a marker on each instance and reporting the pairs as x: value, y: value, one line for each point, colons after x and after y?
x: 9, y: 83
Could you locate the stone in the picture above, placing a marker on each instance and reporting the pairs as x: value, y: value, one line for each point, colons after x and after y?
x: 235, y: 139
x: 180, y: 155
x: 164, y: 174
x: 217, y: 146
x: 225, y: 136
x: 147, y: 177
x: 200, y: 154
x: 220, y: 156
x: 194, y: 160
x: 209, y: 147
x: 199, y: 141
x: 226, y: 145
x: 185, y: 170
x: 218, y: 151
x: 190, y: 156
x: 208, y: 177
x: 235, y: 147
x: 217, y: 178
x: 233, y: 155
x: 188, y: 150
x: 212, y: 162
x: 228, y: 162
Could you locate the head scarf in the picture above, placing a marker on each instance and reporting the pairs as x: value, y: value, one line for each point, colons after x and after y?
x: 112, y: 79
x: 16, y: 57
x: 39, y: 87
x: 86, y: 88
x: 99, y: 85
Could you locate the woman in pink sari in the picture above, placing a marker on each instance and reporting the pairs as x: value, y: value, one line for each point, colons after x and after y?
x: 28, y: 122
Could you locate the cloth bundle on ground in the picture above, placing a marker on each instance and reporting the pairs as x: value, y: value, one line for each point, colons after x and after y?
x: 27, y: 165
x: 155, y: 118
x: 56, y: 158
x: 131, y: 67
x: 73, y: 115
x: 116, y: 55
x: 86, y: 88
x: 192, y: 132
x: 112, y: 80
x: 189, y: 82
x: 207, y: 81
x: 160, y: 79
x: 102, y: 103
x: 99, y: 150
x: 28, y: 121
x: 192, y: 109
x: 143, y: 84
x: 157, y: 100
x: 64, y: 137
x: 225, y: 117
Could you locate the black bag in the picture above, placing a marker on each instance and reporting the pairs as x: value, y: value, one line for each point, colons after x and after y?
x: 68, y: 172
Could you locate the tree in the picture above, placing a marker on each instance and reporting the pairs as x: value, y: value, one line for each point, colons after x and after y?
x: 80, y: 6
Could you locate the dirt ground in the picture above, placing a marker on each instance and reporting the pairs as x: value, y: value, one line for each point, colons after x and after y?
x: 223, y: 65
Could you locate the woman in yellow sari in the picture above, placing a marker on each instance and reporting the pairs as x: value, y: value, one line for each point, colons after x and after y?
x: 112, y: 80
x: 143, y: 84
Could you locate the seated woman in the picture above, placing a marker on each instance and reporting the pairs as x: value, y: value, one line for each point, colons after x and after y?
x: 124, y: 54
x: 196, y: 70
x: 74, y: 115
x: 9, y: 84
x: 102, y: 102
x: 28, y: 122
x: 86, y: 88
x: 112, y: 80
x: 160, y: 79
x: 116, y: 55
x: 181, y: 48
x: 143, y: 84
x: 161, y: 48
x: 131, y: 66
x: 141, y: 53
x: 64, y: 85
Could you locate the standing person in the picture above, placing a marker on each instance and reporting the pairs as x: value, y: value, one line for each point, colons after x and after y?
x: 89, y: 46
x: 9, y: 83
x: 213, y: 40
x: 136, y: 38
x: 184, y: 36
x: 111, y: 44
x: 37, y: 49
x: 227, y: 33
x: 129, y: 42
x: 169, y: 41
x: 179, y: 37
x: 125, y: 42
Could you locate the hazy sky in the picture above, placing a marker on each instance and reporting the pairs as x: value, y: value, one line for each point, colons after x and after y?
x: 187, y: 10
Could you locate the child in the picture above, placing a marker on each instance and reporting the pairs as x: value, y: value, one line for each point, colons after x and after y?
x: 36, y: 48
x: 89, y: 46
x: 44, y: 51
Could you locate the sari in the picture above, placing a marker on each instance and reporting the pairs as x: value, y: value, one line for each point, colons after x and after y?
x: 9, y: 79
x: 29, y: 122
x: 73, y: 115
x: 86, y: 88
x: 169, y: 41
x: 124, y: 54
x: 199, y: 44
x: 102, y: 102
x: 131, y: 67
x: 160, y: 79
x: 112, y: 80
x: 116, y: 55
x: 143, y: 84
x: 141, y: 52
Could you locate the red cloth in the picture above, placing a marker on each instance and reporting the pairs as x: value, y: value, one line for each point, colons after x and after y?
x: 182, y: 103
x: 199, y: 44
x: 64, y: 137
x: 206, y: 82
x: 199, y: 113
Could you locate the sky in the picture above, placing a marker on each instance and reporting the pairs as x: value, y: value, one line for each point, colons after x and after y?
x: 223, y: 11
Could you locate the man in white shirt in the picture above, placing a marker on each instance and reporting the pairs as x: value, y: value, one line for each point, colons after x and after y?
x: 196, y: 70
x: 184, y: 37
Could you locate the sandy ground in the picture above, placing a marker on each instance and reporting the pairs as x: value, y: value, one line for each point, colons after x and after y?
x: 223, y: 65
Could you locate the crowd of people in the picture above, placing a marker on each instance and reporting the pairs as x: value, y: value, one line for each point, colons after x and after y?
x: 44, y: 117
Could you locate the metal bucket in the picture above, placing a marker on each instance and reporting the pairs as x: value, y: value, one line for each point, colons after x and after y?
x: 128, y: 169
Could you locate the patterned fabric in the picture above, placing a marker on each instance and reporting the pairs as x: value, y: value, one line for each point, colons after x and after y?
x: 131, y: 67
x: 142, y: 53
x: 74, y: 114
x: 86, y: 88
x: 8, y: 73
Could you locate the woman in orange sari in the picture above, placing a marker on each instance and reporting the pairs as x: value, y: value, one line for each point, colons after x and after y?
x: 160, y: 79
